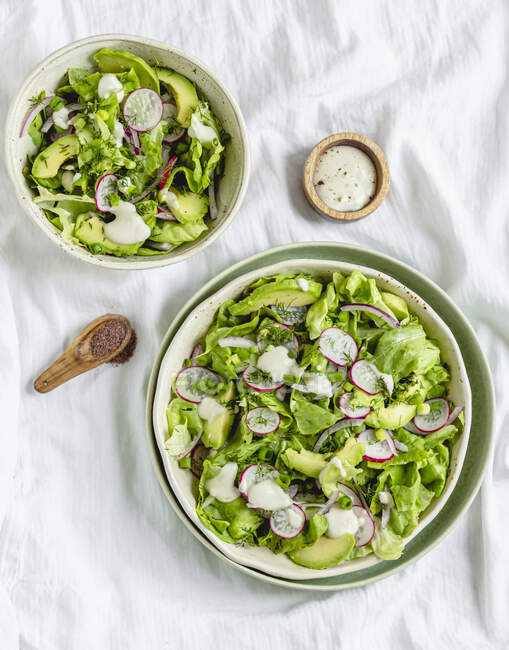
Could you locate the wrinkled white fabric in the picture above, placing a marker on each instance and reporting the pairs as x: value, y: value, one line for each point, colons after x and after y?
x: 91, y: 554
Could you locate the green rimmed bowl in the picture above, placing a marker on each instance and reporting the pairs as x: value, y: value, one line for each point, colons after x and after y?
x: 481, y: 435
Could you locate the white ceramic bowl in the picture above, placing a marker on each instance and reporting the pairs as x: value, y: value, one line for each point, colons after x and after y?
x: 47, y: 76
x: 197, y: 324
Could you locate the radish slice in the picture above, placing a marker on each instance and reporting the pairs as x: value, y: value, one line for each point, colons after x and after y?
x: 170, y: 113
x: 290, y: 315
x: 255, y: 474
x: 345, y: 405
x: 350, y: 493
x: 338, y: 346
x: 277, y: 334
x: 454, y: 414
x: 288, y: 523
x: 436, y: 418
x: 368, y: 378
x: 33, y: 113
x: 164, y: 177
x: 366, y: 530
x: 377, y: 451
x: 191, y: 446
x: 106, y: 185
x: 256, y: 380
x: 196, y: 351
x: 169, y: 110
x: 186, y: 380
x: 235, y: 342
x: 346, y: 422
x: 143, y: 109
x: 198, y: 455
x: 374, y: 311
x: 262, y: 420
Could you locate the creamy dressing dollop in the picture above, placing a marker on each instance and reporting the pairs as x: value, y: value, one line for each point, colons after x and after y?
x: 277, y: 364
x: 108, y: 84
x: 205, y: 134
x: 341, y: 521
x: 315, y: 383
x: 61, y: 118
x: 127, y: 227
x: 303, y: 284
x: 222, y: 487
x: 170, y: 198
x: 345, y: 178
x: 210, y: 409
x: 268, y: 495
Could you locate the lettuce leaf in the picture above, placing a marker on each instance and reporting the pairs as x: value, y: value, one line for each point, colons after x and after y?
x: 405, y: 350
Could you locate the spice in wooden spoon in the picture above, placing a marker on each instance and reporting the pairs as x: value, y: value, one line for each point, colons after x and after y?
x: 107, y: 339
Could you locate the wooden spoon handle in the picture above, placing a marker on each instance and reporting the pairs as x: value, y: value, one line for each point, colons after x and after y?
x: 65, y: 367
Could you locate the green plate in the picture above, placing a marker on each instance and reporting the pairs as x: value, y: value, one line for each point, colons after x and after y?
x: 483, y: 403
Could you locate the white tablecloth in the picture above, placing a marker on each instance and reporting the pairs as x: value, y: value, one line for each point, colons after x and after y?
x: 91, y: 554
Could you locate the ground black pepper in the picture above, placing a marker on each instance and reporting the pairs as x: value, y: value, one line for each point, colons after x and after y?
x: 107, y: 338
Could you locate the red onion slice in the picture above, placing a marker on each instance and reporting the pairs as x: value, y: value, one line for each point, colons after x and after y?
x: 374, y: 311
x: 400, y: 446
x: 212, y: 202
x: 33, y: 113
x: 346, y: 422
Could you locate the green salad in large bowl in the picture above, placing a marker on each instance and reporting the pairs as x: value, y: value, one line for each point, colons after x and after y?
x: 315, y: 418
x: 127, y: 156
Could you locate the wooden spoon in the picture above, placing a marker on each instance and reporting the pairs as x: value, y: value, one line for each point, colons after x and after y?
x: 79, y: 356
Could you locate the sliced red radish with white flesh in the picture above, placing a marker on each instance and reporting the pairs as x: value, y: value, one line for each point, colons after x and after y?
x: 143, y: 109
x: 369, y: 379
x: 342, y: 424
x: 236, y: 342
x: 196, y: 351
x: 338, y: 346
x: 350, y: 493
x: 288, y: 523
x: 277, y: 334
x: 256, y: 474
x: 33, y: 113
x: 454, y: 414
x: 106, y: 185
x: 290, y: 315
x: 186, y: 380
x: 345, y: 404
x: 377, y: 451
x: 366, y: 530
x: 191, y: 446
x: 412, y: 428
x: 257, y: 380
x: 374, y: 311
x: 436, y: 418
x: 262, y: 420
x: 198, y: 455
x: 175, y: 136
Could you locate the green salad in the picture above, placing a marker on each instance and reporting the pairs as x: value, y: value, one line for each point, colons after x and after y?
x: 315, y: 417
x: 127, y: 157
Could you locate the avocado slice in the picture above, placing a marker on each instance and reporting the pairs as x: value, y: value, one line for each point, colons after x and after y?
x: 283, y: 292
x: 325, y: 552
x: 109, y: 60
x: 216, y: 432
x: 91, y: 231
x: 183, y: 91
x: 191, y: 207
x: 307, y: 462
x: 396, y: 304
x: 48, y: 162
x: 392, y: 417
x: 228, y: 394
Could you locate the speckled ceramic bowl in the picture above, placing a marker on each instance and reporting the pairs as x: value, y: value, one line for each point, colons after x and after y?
x: 196, y: 325
x: 48, y: 74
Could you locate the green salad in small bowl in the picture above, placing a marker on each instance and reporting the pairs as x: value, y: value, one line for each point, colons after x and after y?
x: 127, y: 156
x: 316, y: 418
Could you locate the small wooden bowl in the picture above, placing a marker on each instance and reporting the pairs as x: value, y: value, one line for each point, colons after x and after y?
x: 352, y: 140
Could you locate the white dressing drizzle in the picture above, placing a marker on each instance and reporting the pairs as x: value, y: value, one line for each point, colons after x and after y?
x: 340, y: 522
x: 210, y: 409
x: 127, y: 227
x: 277, y: 364
x: 222, y: 487
x: 268, y: 495
x: 108, y: 84
x: 205, y: 134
